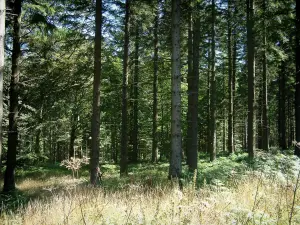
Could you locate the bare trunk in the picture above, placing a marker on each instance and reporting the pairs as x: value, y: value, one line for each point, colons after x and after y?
x: 192, y: 151
x: 124, y: 135
x: 265, y: 125
x: 282, y: 108
x: 155, y: 76
x: 297, y: 94
x: 230, y: 83
x: 9, y: 177
x: 176, y: 148
x: 251, y: 77
x: 2, y: 41
x: 190, y: 83
x: 136, y: 96
x: 95, y: 149
x: 208, y: 98
x: 72, y: 141
x: 212, y: 121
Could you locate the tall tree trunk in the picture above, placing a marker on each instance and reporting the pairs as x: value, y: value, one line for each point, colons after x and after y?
x: 72, y: 141
x: 37, y: 142
x: 281, y: 108
x: 95, y: 149
x: 212, y: 121
x: 259, y: 121
x: 124, y: 137
x: 176, y: 148
x: 9, y: 177
x: 155, y: 76
x: 192, y: 150
x: 297, y: 94
x: 189, y: 81
x: 136, y: 95
x: 208, y: 97
x: 2, y: 41
x: 265, y: 125
x: 230, y: 82
x: 234, y: 56
x: 251, y: 77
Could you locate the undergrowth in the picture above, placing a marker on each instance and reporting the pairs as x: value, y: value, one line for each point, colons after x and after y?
x: 228, y: 191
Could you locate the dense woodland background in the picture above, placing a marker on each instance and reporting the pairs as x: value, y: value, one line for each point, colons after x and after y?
x: 175, y: 79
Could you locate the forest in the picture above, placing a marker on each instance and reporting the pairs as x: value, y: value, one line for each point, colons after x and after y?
x: 149, y: 112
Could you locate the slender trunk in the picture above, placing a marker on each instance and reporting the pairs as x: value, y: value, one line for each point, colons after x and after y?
x: 124, y: 137
x: 234, y: 62
x: 265, y: 125
x: 136, y: 96
x: 195, y: 94
x: 192, y: 150
x: 230, y: 83
x: 297, y: 94
x: 212, y: 139
x: 259, y: 120
x: 251, y: 77
x: 281, y: 107
x: 155, y: 76
x: 9, y: 177
x: 190, y: 83
x: 37, y: 142
x: 224, y: 112
x: 72, y: 141
x: 176, y: 148
x: 2, y: 41
x: 95, y: 149
x: 208, y: 97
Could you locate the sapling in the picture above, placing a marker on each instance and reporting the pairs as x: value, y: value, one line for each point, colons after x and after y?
x: 75, y: 164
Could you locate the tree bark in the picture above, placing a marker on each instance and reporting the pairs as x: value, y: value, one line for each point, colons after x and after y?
x: 189, y: 81
x: 251, y: 78
x: 176, y: 148
x: 9, y: 177
x: 208, y: 97
x: 2, y: 41
x: 265, y: 125
x: 95, y: 149
x: 124, y: 137
x: 212, y: 121
x: 297, y: 94
x: 230, y: 82
x: 282, y: 108
x: 192, y: 150
x: 155, y: 89
x: 136, y: 95
x: 72, y: 141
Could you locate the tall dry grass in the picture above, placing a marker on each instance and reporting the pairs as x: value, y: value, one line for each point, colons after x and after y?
x: 255, y: 199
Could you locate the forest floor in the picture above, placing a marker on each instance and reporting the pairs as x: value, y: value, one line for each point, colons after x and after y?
x: 227, y: 191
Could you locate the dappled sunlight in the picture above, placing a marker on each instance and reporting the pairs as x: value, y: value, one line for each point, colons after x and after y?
x: 255, y: 199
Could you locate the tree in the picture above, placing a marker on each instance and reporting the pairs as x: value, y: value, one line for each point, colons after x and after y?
x: 155, y: 78
x: 2, y: 41
x: 136, y: 94
x: 94, y: 160
x: 265, y: 123
x: 124, y: 137
x: 176, y: 148
x: 230, y: 82
x: 251, y: 77
x: 9, y: 176
x: 212, y: 120
x: 193, y: 91
x: 297, y: 94
x: 282, y: 107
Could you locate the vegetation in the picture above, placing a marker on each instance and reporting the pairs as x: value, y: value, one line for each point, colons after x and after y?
x: 167, y: 111
x: 228, y: 190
